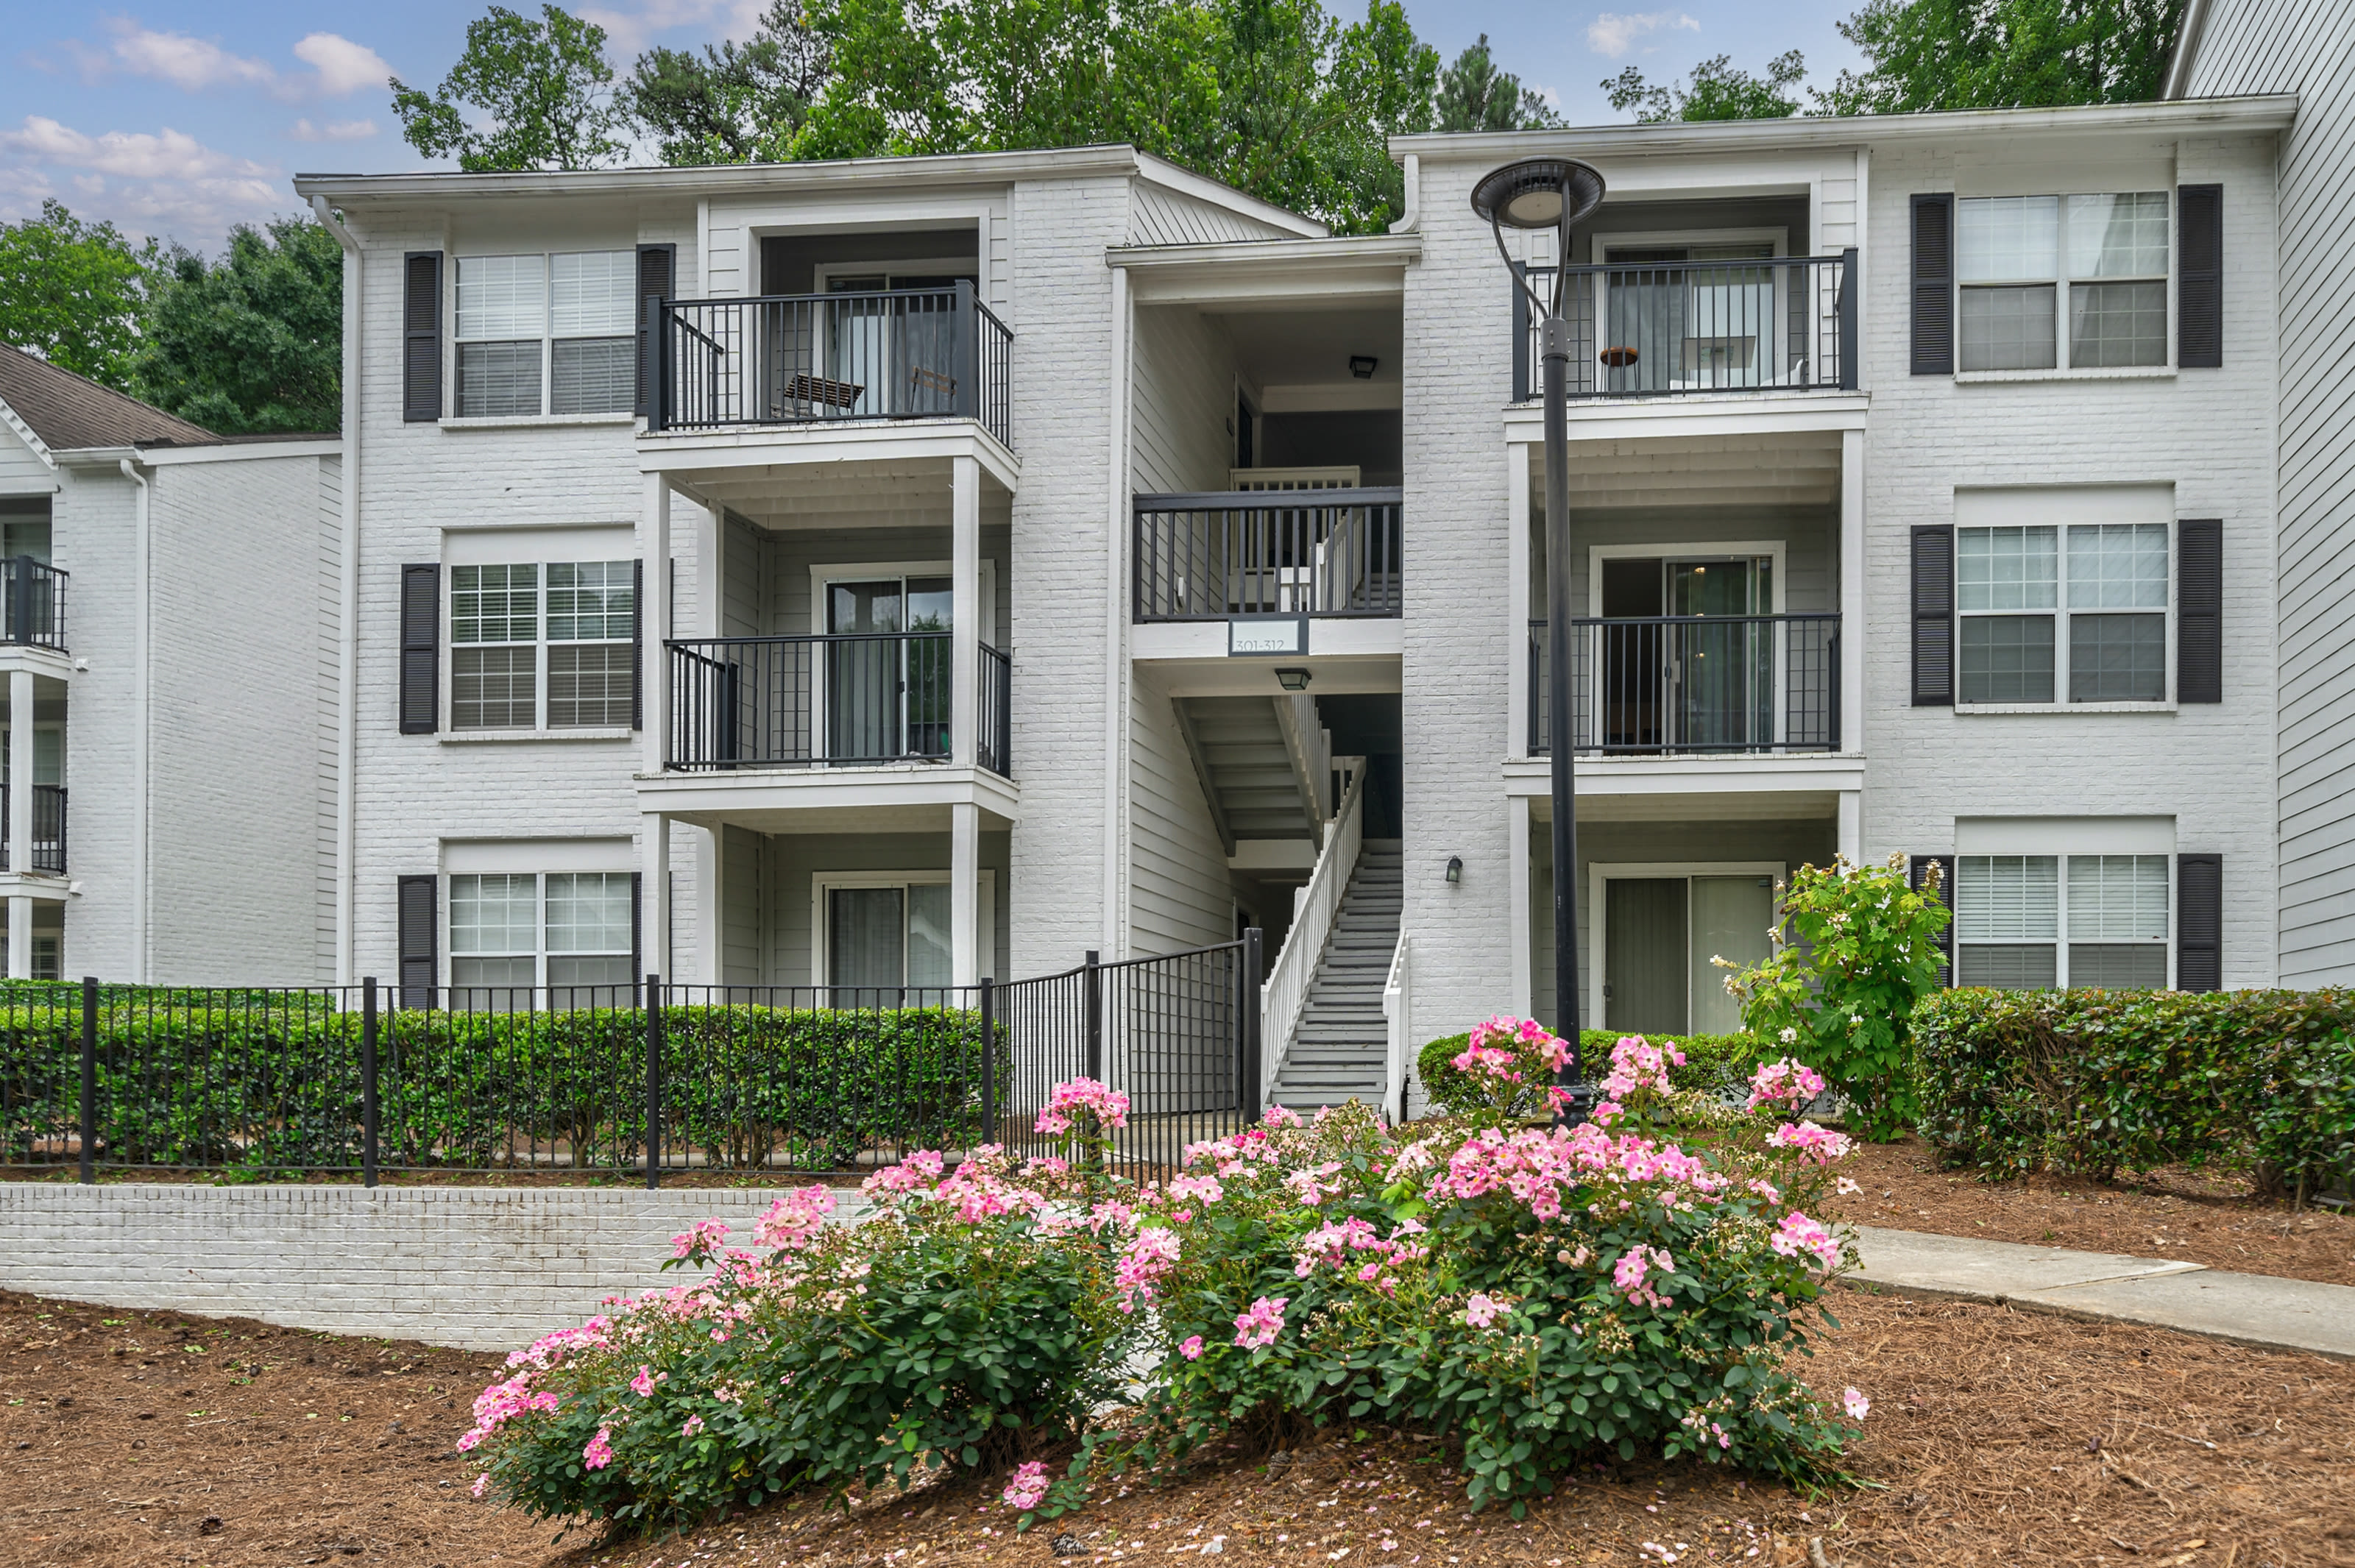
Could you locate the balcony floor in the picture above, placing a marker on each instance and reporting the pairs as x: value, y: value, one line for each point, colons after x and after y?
x: 896, y: 798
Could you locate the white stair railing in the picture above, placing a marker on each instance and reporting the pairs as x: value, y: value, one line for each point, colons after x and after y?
x: 1398, y: 1009
x: 1285, y: 994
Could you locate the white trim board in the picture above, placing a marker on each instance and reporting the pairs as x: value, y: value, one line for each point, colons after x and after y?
x: 476, y: 857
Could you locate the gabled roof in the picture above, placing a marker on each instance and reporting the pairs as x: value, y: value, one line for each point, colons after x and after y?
x: 66, y: 410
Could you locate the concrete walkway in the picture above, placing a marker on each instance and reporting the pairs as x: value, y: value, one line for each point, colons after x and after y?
x: 2162, y: 1293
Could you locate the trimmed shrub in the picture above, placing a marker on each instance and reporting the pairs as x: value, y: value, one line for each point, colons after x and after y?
x: 2096, y: 1082
x: 1718, y: 1065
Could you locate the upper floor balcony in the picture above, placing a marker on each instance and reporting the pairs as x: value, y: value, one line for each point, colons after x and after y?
x: 47, y: 854
x: 841, y: 701
x: 1685, y: 323
x: 32, y: 603
x: 1327, y: 553
x: 831, y: 358
x: 1664, y: 686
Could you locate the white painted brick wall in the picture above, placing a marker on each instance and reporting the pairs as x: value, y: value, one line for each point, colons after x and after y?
x: 475, y: 1268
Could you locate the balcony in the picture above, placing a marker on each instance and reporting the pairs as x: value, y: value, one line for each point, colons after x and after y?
x: 838, y: 701
x: 800, y: 360
x: 1645, y: 329
x: 34, y: 596
x: 1220, y: 555
x: 1665, y: 685
x: 49, y: 855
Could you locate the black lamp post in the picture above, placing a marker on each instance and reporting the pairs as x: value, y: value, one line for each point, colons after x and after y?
x: 1554, y: 193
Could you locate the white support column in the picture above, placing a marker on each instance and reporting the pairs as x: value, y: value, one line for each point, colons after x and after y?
x: 653, y: 894
x: 653, y: 620
x: 1517, y: 600
x: 20, y: 775
x: 1851, y: 591
x: 1517, y: 852
x: 968, y: 963
x: 965, y: 614
x: 1852, y: 825
x: 20, y: 939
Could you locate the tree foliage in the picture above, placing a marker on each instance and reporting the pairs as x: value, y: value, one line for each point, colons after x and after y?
x: 1474, y: 95
x: 71, y: 292
x: 255, y: 342
x: 734, y: 103
x: 2004, y: 54
x: 1716, y: 90
x: 541, y: 93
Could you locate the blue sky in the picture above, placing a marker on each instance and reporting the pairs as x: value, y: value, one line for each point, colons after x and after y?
x: 179, y: 118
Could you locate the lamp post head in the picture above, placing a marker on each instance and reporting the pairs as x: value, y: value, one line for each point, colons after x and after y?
x: 1539, y: 193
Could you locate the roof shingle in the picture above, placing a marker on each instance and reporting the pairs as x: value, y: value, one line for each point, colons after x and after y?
x: 66, y: 410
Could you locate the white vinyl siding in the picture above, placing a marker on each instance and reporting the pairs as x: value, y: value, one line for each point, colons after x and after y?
x: 546, y: 334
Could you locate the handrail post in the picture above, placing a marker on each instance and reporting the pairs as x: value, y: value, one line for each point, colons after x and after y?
x: 1849, y: 349
x: 654, y: 1081
x: 1093, y: 978
x: 965, y: 353
x: 1253, y: 967
x: 658, y: 384
x: 1833, y: 657
x: 20, y: 601
x: 369, y: 1108
x: 988, y: 1060
x: 89, y: 1079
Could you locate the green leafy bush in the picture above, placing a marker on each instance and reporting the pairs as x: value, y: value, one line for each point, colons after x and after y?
x: 1854, y: 948
x: 2096, y: 1082
x: 1718, y: 1065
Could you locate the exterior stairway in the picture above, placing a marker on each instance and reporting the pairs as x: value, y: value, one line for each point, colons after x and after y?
x: 1338, y: 1047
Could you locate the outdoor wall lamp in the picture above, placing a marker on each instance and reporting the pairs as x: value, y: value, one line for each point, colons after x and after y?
x: 1454, y: 869
x: 1362, y: 366
x: 1292, y: 680
x: 1553, y: 193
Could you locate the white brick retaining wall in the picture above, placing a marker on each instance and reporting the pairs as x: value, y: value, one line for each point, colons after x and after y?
x: 479, y: 1268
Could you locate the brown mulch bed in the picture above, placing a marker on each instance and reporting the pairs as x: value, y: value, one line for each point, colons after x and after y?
x: 2204, y: 1217
x: 690, y: 1180
x: 1996, y: 1438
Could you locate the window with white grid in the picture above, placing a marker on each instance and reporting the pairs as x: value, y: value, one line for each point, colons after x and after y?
x: 542, y: 645
x: 2063, y: 282
x: 2016, y: 587
x: 546, y: 334
x: 564, y: 930
x: 2031, y: 922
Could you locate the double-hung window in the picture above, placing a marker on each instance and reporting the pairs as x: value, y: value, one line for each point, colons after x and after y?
x: 2031, y: 922
x: 2080, y: 609
x: 514, y: 930
x: 546, y: 334
x: 2062, y: 282
x: 501, y: 632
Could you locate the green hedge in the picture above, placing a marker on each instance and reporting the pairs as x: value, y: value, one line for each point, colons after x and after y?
x: 2096, y: 1082
x: 1716, y: 1063
x: 266, y: 1088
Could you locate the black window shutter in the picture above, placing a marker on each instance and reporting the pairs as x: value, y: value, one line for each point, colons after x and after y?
x: 420, y: 649
x: 2200, y: 923
x: 637, y: 645
x: 657, y: 269
x: 2200, y: 276
x: 417, y: 923
x: 1933, y: 616
x: 1934, y: 283
x: 421, y: 336
x: 1916, y: 869
x: 2199, y: 610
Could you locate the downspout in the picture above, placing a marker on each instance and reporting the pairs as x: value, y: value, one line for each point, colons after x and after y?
x: 347, y: 628
x: 141, y: 693
x: 1116, y: 673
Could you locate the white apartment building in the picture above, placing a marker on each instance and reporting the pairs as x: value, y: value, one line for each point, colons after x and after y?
x: 866, y: 573
x: 169, y: 639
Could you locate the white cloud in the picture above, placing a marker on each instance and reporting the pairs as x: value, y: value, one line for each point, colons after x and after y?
x: 344, y: 67
x: 164, y: 183
x: 629, y: 31
x: 187, y: 63
x: 131, y: 154
x: 1612, y: 35
x: 335, y: 131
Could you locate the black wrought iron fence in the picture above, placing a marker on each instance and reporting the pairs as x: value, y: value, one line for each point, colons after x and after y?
x: 1211, y: 555
x: 1694, y: 683
x: 803, y: 359
x: 854, y: 700
x: 1747, y: 323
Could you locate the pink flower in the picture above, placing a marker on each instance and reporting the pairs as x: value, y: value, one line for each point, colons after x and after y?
x: 1482, y: 1310
x: 694, y: 1424
x: 699, y: 1241
x: 1028, y: 1490
x: 1150, y: 1256
x: 1261, y: 1324
x: 1797, y: 1235
x: 1083, y: 1096
x: 1637, y: 1063
x: 799, y: 1215
x: 482, y: 1484
x: 643, y: 1385
x: 1192, y: 1349
x: 1858, y: 1407
x: 1634, y: 1269
x: 1817, y: 1146
x: 600, y: 1452
x: 1784, y: 1082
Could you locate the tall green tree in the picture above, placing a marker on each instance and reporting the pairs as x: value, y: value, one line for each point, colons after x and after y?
x: 1716, y: 90
x: 1474, y: 95
x: 254, y: 342
x: 71, y: 292
x: 2004, y: 54
x: 539, y: 92
x: 734, y: 103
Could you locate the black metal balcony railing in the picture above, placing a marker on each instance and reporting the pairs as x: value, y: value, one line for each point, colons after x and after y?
x: 1636, y: 328
x: 49, y: 854
x: 1210, y: 555
x: 35, y: 597
x: 1695, y: 683
x: 800, y: 358
x: 827, y: 701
